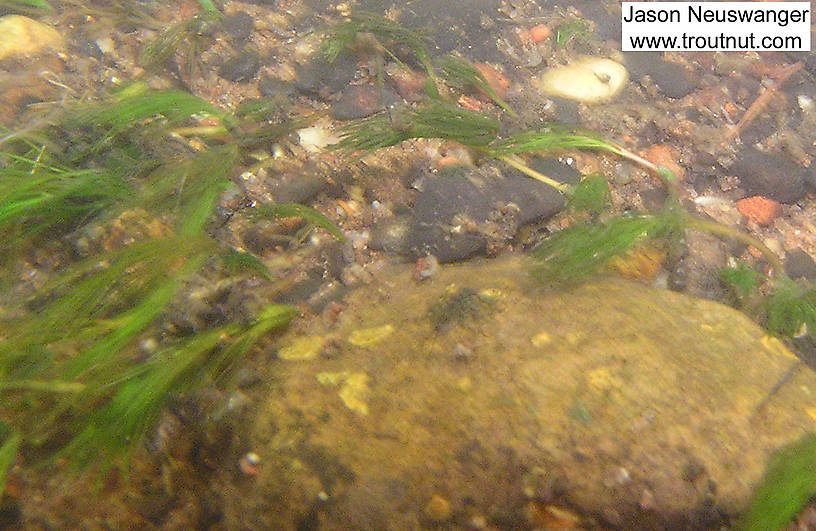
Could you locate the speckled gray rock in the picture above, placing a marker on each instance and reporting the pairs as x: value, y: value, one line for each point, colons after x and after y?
x: 359, y: 101
x: 697, y: 271
x: 239, y: 26
x: 242, y: 67
x: 462, y: 212
x: 672, y: 79
x: 272, y: 86
x: 636, y: 405
x: 391, y: 235
x: 321, y: 78
x: 799, y: 264
x: 297, y: 187
x: 771, y: 175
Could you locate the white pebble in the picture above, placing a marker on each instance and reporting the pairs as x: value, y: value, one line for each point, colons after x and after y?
x: 588, y: 80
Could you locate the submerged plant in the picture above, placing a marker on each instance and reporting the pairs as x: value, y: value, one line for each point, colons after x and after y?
x: 437, y: 120
x: 460, y: 73
x: 186, y: 36
x: 389, y: 35
x: 788, y: 484
x: 73, y: 376
x: 579, y: 251
x: 28, y: 7
x: 576, y: 29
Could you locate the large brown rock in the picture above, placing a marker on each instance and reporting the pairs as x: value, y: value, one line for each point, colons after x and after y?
x: 477, y: 396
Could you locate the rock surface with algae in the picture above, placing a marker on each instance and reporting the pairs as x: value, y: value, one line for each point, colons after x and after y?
x: 636, y: 406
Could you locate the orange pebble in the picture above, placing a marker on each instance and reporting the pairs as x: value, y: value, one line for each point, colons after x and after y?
x: 760, y: 210
x: 494, y: 78
x: 731, y: 109
x: 539, y: 33
x: 471, y: 104
x: 449, y: 161
x: 664, y: 155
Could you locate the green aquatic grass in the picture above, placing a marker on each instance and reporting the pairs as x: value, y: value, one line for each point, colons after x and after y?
x: 573, y: 254
x: 372, y: 133
x: 26, y: 7
x: 143, y: 391
x: 10, y: 439
x: 207, y: 5
x: 73, y: 378
x: 190, y: 189
x: 789, y: 482
x: 436, y: 120
x: 742, y: 279
x: 153, y: 113
x: 88, y: 295
x: 294, y: 210
x: 186, y: 35
x: 556, y: 137
x: 461, y: 73
x: 791, y: 308
x: 37, y: 200
x: 235, y: 262
x: 591, y: 195
x: 136, y: 102
x: 389, y: 34
x: 573, y: 30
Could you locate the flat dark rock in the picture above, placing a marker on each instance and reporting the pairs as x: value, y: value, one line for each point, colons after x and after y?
x: 770, y: 175
x: 390, y: 235
x: 359, y: 101
x: 459, y: 212
x: 272, y: 86
x: 297, y: 188
x: 799, y: 264
x: 673, y: 80
x: 239, y: 26
x: 321, y: 78
x: 241, y: 67
x: 566, y: 111
x: 433, y: 232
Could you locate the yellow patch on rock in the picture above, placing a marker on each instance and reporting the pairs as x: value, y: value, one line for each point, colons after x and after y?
x: 541, y: 339
x: 491, y: 294
x: 302, y: 348
x: 355, y: 391
x: 776, y: 346
x: 438, y: 509
x: 603, y: 380
x: 331, y: 378
x: 642, y: 263
x: 365, y: 337
x: 464, y: 384
x: 21, y: 35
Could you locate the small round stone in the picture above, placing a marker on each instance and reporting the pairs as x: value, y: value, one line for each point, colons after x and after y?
x: 588, y: 80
